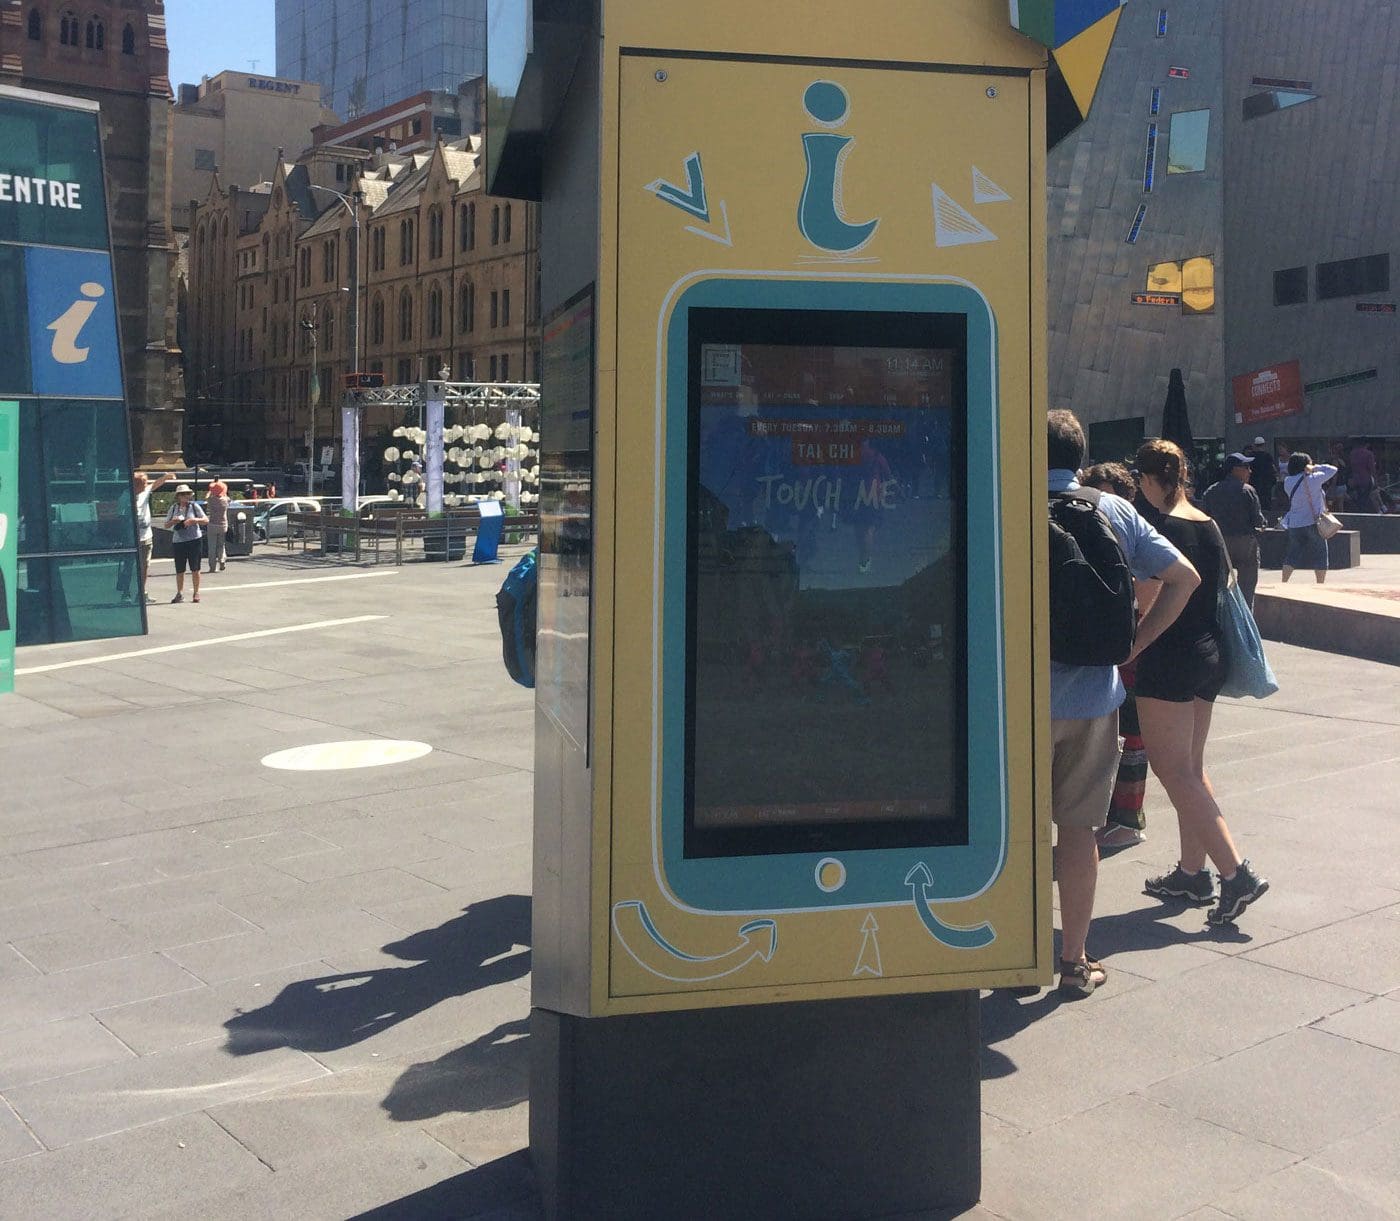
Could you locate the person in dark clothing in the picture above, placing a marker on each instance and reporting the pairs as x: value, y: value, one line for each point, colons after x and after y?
x: 1263, y: 470
x: 1179, y: 675
x: 1234, y: 504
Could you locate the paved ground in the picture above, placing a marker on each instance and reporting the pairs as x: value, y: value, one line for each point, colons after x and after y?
x: 232, y: 992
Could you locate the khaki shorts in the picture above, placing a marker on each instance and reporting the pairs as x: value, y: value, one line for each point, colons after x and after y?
x: 1083, y: 770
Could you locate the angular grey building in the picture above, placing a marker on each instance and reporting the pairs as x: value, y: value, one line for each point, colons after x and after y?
x: 1232, y: 208
x: 366, y: 54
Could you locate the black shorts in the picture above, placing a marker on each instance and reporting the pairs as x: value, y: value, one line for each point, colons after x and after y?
x: 1179, y: 672
x: 187, y: 555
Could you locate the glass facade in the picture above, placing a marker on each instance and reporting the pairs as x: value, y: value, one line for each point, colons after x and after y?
x: 75, y: 534
x: 367, y: 54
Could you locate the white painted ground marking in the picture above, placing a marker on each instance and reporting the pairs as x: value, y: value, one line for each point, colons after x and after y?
x: 346, y: 756
x: 214, y: 586
x: 198, y: 644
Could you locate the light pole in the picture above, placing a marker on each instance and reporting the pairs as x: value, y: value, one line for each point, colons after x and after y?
x: 309, y: 326
x: 350, y: 420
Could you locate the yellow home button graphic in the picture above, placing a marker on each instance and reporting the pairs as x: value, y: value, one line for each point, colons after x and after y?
x: 831, y: 875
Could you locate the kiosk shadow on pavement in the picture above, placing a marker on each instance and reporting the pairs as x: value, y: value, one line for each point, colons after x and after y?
x: 487, y: 944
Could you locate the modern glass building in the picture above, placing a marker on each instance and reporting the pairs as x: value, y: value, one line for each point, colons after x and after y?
x: 76, y: 531
x: 366, y: 54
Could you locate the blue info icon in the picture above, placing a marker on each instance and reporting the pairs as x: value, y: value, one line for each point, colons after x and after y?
x: 73, y: 346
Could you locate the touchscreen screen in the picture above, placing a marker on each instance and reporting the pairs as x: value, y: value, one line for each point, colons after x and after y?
x: 826, y: 690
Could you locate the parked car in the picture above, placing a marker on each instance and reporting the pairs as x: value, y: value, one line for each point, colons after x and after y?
x: 271, y: 521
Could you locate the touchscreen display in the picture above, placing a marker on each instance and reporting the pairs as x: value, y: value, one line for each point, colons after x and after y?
x: 826, y: 692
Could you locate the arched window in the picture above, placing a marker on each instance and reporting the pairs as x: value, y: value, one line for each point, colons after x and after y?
x: 466, y: 308
x: 434, y: 312
x: 36, y: 24
x: 505, y: 227
x: 376, y: 320
x: 328, y: 331
x: 405, y: 316
x: 408, y: 244
x: 129, y: 40
x: 96, y: 34
x: 435, y: 232
x: 496, y: 225
x: 468, y: 235
x: 68, y: 29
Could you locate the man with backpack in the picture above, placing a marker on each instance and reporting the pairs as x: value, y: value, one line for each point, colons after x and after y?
x: 1098, y: 545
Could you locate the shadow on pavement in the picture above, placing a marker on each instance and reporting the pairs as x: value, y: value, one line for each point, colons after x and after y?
x: 503, y: 1190
x: 488, y: 1074
x: 487, y: 944
x: 1003, y: 1016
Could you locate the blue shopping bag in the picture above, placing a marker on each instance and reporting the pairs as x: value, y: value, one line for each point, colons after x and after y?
x: 1247, y: 670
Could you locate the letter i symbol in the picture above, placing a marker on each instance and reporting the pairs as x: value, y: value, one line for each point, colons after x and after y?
x: 819, y: 211
x: 68, y: 326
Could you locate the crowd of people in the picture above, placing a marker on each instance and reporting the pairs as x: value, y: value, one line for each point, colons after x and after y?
x: 1179, y: 557
x: 196, y: 531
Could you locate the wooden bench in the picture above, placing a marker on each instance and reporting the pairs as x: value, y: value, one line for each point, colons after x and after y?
x: 442, y: 537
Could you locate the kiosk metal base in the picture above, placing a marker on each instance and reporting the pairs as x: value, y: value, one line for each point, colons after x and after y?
x: 839, y: 1110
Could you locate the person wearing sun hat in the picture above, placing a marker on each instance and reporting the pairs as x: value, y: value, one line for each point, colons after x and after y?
x: 1234, y: 504
x: 186, y: 520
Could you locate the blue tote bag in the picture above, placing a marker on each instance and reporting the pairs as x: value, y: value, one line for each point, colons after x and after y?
x: 1247, y: 670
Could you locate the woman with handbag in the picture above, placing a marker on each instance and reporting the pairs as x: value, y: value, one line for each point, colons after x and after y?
x: 1307, y: 505
x: 1179, y: 676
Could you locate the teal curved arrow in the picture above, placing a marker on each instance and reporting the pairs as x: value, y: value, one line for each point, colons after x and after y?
x: 920, y: 883
x: 635, y: 929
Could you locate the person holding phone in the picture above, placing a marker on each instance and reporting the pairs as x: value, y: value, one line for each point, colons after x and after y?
x: 186, y: 521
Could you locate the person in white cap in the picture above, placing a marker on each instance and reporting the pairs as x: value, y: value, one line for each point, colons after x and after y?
x: 1263, y: 471
x: 187, y: 521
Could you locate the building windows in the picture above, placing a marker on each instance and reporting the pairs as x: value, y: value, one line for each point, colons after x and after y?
x: 465, y: 369
x: 1190, y: 133
x: 1191, y: 281
x: 495, y: 368
x: 36, y: 25
x: 505, y: 366
x: 496, y: 225
x: 1291, y: 286
x: 435, y: 233
x: 405, y: 372
x: 505, y: 307
x: 505, y: 224
x: 1161, y: 23
x: 68, y: 29
x: 1352, y: 277
x: 468, y: 235
x: 1149, y: 172
x: 466, y: 308
x: 408, y: 242
x: 95, y: 36
x: 328, y: 331
x: 495, y: 310
x: 376, y: 320
x: 303, y: 267
x: 1257, y: 105
x: 1155, y: 108
x: 434, y: 313
x: 206, y: 160
x: 405, y: 316
x: 330, y: 261
x: 1136, y: 228
x: 128, y: 40
x: 377, y: 243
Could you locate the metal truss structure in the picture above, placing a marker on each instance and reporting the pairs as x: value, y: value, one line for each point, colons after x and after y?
x: 476, y: 397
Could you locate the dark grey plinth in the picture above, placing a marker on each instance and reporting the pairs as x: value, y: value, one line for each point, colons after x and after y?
x: 840, y: 1110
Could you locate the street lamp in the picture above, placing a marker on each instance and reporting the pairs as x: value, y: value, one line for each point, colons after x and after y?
x: 309, y: 326
x: 352, y: 203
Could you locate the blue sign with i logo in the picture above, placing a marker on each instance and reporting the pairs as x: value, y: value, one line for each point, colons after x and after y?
x: 73, y: 346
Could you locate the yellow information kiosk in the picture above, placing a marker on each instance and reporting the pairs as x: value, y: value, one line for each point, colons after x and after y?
x: 792, y: 713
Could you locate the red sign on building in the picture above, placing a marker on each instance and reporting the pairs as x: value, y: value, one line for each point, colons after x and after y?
x: 1269, y: 394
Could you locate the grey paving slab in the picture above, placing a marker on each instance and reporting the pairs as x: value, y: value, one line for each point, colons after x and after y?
x: 48, y: 998
x: 1376, y: 1022
x: 56, y: 1049
x: 489, y: 871
x: 1303, y: 1190
x: 1363, y: 953
x: 226, y: 958
x: 13, y: 966
x: 1369, y: 1162
x: 181, y: 925
x: 16, y: 1140
x: 341, y: 862
x: 1286, y: 1091
x: 98, y: 939
x: 1062, y: 1171
x: 133, y: 1174
x: 221, y: 884
x: 117, y: 1097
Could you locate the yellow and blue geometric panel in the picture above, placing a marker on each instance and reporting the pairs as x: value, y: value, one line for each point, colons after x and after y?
x: 1052, y: 23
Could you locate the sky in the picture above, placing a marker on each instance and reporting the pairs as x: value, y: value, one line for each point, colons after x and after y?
x: 207, y: 36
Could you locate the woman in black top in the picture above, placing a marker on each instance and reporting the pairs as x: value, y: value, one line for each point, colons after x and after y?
x: 1178, y: 677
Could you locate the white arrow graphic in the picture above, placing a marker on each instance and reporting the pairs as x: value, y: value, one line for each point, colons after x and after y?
x: 633, y: 925
x: 954, y: 225
x: 868, y: 960
x: 985, y: 191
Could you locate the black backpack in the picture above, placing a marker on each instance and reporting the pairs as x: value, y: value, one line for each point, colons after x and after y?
x: 516, y: 609
x: 1093, y: 610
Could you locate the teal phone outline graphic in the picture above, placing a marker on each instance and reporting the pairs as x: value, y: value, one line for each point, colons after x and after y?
x: 819, y: 210
x: 766, y: 885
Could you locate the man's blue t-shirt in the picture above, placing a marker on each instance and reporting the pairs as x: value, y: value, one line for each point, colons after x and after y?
x: 1081, y: 692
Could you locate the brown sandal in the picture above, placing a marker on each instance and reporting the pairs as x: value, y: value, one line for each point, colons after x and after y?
x: 1081, y: 978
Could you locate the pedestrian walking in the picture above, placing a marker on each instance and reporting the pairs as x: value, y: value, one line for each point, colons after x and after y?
x: 216, y: 505
x: 186, y: 521
x: 1179, y: 675
x: 1234, y: 504
x: 145, y: 532
x: 1307, y: 501
x: 1084, y: 702
x: 1127, y: 824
